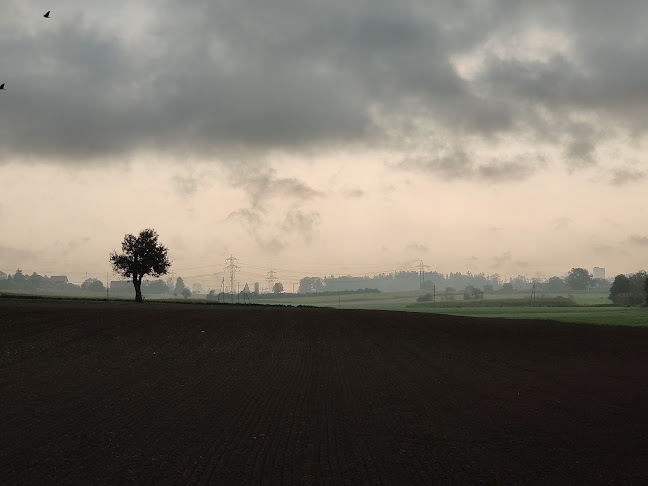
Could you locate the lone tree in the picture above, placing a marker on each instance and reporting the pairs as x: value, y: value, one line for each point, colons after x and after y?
x: 142, y: 256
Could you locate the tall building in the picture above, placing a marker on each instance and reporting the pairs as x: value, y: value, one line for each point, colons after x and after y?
x: 598, y: 272
x: 256, y: 288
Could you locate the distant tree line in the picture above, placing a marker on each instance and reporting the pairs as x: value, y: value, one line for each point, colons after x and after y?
x: 576, y: 279
x: 33, y: 283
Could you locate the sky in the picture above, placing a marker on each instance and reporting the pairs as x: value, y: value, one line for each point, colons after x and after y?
x: 325, y: 138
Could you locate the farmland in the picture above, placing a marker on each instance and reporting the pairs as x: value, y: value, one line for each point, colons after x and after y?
x: 575, y: 307
x: 159, y: 393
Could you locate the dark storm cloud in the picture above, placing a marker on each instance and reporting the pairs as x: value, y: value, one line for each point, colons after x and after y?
x: 205, y: 78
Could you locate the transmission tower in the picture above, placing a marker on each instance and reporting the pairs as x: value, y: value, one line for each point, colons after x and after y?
x: 271, y: 279
x: 232, y: 268
x: 422, y: 274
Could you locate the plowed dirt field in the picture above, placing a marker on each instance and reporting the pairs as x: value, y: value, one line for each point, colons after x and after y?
x: 98, y: 393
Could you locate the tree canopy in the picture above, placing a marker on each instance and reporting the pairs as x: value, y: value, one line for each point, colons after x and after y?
x: 142, y: 255
x: 578, y: 279
x: 629, y: 290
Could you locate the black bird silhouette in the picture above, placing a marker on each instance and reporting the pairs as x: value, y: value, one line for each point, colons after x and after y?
x: 47, y: 14
x: 2, y: 86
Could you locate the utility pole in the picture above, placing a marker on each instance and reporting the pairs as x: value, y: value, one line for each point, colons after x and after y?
x: 232, y: 268
x: 106, y: 285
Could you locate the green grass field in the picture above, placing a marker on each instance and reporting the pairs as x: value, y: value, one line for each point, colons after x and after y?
x: 585, y: 307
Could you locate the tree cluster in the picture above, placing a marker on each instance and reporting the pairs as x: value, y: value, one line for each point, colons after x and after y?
x: 630, y: 290
x: 473, y: 293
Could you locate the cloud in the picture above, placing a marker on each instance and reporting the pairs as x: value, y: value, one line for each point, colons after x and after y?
x: 271, y: 245
x: 71, y: 247
x: 211, y: 79
x: 562, y: 223
x: 304, y: 224
x: 186, y: 185
x: 417, y: 248
x: 451, y: 166
x: 353, y: 193
x: 248, y: 218
x: 607, y: 250
x: 262, y: 184
x: 623, y: 176
x: 502, y: 259
x: 457, y: 165
x: 504, y: 171
x: 638, y: 240
x: 10, y: 254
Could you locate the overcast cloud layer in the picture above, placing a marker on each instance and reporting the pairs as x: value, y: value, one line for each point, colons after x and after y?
x: 272, y: 102
x: 198, y: 78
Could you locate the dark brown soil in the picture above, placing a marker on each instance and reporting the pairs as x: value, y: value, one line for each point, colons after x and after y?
x: 119, y: 393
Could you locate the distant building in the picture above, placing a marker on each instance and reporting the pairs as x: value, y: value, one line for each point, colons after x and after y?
x: 122, y: 286
x: 256, y: 288
x: 598, y: 272
x: 198, y: 288
x: 59, y: 279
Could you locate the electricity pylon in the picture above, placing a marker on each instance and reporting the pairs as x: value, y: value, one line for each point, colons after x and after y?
x: 232, y: 268
x: 271, y: 279
x: 422, y: 274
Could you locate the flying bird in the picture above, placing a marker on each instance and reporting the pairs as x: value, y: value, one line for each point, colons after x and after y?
x: 2, y: 86
x: 47, y: 14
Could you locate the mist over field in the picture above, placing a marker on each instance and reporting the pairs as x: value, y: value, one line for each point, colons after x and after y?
x: 325, y: 139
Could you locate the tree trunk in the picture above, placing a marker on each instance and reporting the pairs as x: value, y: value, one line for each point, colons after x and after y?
x: 138, y: 288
